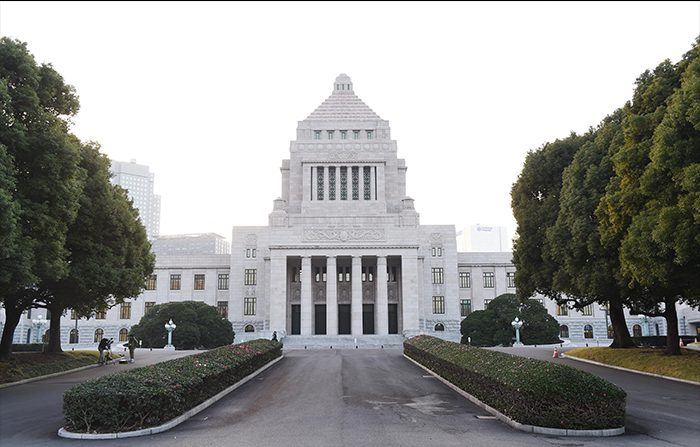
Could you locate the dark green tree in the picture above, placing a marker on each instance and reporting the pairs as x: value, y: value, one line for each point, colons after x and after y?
x: 535, y: 203
x: 110, y: 255
x: 42, y: 157
x: 587, y: 271
x: 198, y: 324
x: 493, y: 326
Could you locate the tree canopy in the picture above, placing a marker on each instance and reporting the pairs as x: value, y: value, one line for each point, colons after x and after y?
x: 198, y: 325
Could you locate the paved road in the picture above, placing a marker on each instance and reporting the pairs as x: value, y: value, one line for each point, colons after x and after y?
x: 657, y: 408
x: 319, y: 398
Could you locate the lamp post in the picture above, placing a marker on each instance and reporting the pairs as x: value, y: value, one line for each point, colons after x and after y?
x: 39, y: 322
x: 170, y: 327
x: 517, y: 324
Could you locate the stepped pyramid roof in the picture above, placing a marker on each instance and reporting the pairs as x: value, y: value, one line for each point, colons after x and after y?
x: 343, y: 104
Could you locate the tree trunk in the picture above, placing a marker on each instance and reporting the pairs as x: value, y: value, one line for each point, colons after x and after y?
x: 12, y: 317
x: 55, y: 330
x: 672, y: 339
x: 621, y: 337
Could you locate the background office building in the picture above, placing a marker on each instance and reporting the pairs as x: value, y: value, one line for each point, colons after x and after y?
x: 138, y: 181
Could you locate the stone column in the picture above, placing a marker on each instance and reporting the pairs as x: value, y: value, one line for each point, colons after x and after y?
x: 331, y: 296
x: 306, y: 301
x: 372, y: 183
x: 326, y: 175
x: 382, y: 303
x: 362, y: 182
x: 410, y: 294
x: 314, y: 173
x: 278, y: 294
x: 356, y: 307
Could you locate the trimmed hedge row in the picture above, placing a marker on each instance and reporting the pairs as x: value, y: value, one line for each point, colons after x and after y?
x: 152, y: 395
x: 529, y: 391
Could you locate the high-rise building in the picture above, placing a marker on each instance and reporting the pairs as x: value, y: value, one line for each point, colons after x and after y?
x: 191, y: 244
x: 480, y: 238
x: 138, y: 181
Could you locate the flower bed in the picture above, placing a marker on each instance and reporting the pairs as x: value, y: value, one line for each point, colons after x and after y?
x: 152, y: 395
x: 528, y: 391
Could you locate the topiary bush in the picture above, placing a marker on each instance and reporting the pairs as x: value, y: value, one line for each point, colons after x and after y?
x: 528, y: 391
x: 152, y: 395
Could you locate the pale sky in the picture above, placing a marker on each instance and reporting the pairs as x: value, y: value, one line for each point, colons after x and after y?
x: 209, y: 94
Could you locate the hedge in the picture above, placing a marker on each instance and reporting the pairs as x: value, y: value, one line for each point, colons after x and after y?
x: 152, y: 395
x: 532, y: 392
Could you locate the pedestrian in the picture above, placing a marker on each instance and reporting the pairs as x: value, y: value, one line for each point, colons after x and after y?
x: 132, y: 347
x: 101, y: 347
x: 274, y: 335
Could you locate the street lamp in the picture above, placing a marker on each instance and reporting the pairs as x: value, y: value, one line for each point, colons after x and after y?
x: 170, y: 327
x: 517, y: 324
x: 39, y: 322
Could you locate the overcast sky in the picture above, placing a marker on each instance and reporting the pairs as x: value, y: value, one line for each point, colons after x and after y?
x: 209, y: 94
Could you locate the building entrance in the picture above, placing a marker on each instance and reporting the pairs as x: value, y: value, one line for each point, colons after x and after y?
x: 368, y: 319
x: 320, y: 319
x: 344, y: 319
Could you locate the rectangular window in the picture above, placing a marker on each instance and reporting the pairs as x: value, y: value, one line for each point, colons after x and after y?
x: 174, y: 282
x: 255, y: 253
x: 356, y: 134
x: 510, y: 280
x: 320, y: 274
x: 249, y: 305
x: 369, y: 134
x: 343, y: 134
x: 367, y: 194
x: 437, y: 275
x: 486, y: 304
x: 151, y: 282
x: 148, y: 307
x: 330, y: 134
x: 465, y: 307
x: 562, y: 310
x: 438, y: 304
x: 250, y: 277
x: 392, y: 274
x: 368, y: 274
x: 247, y: 252
x: 223, y: 281
x: 434, y: 252
x: 355, y: 183
x: 319, y: 182
x: 343, y: 183
x: 331, y: 183
x: 488, y: 280
x: 222, y: 307
x: 587, y: 311
x: 464, y: 280
x: 199, y: 282
x: 439, y: 252
x: 125, y: 311
x: 100, y: 314
x: 317, y: 134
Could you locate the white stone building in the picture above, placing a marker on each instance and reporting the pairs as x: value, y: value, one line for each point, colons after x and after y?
x: 344, y: 255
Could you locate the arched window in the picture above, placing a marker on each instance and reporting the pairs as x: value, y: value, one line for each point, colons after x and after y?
x: 99, y: 334
x: 588, y: 331
x: 73, y: 337
x: 611, y: 332
x: 439, y: 327
x: 636, y: 331
x: 249, y: 328
x: 123, y: 334
x: 564, y: 331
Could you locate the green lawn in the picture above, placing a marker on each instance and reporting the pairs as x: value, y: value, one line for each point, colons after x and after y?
x: 26, y: 365
x: 685, y: 366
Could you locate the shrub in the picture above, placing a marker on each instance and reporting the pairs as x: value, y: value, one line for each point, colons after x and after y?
x: 198, y: 324
x: 152, y: 395
x: 528, y: 391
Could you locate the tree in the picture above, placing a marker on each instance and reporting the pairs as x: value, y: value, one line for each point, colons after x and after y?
x: 661, y: 250
x: 198, y: 324
x: 41, y: 156
x: 588, y: 271
x: 535, y: 203
x: 493, y: 326
x: 110, y: 255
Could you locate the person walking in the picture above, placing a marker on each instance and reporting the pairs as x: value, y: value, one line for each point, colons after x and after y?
x: 132, y: 347
x: 274, y: 335
x: 101, y: 347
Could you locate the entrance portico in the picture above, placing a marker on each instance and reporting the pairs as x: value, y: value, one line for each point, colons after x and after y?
x: 340, y: 292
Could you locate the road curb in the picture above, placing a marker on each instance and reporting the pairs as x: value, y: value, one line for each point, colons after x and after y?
x: 173, y: 422
x: 34, y: 379
x: 524, y: 427
x: 592, y: 362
